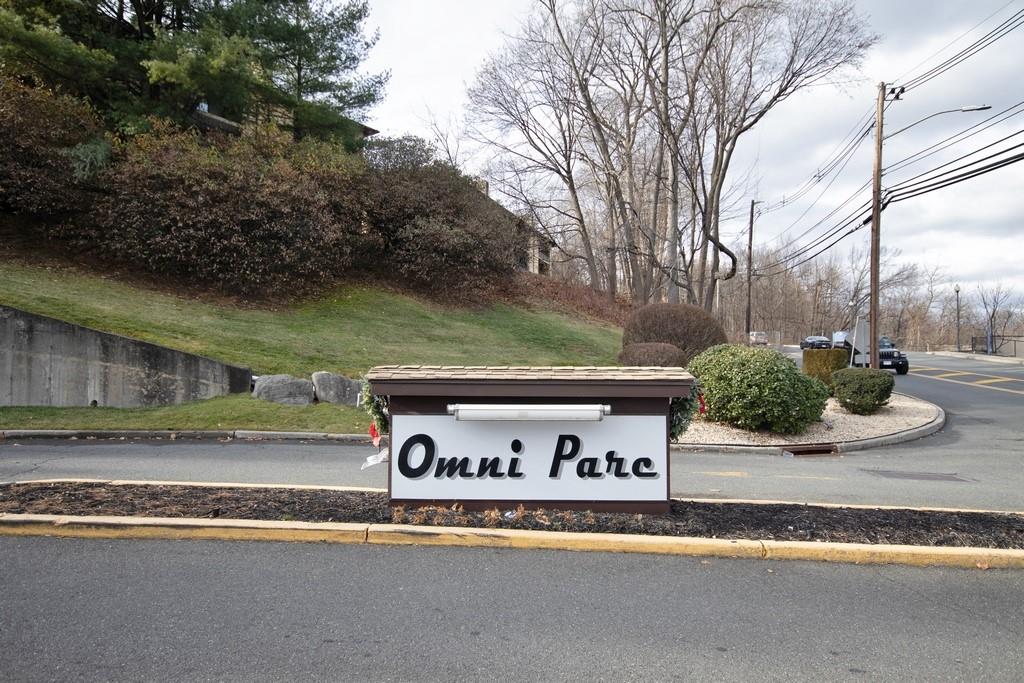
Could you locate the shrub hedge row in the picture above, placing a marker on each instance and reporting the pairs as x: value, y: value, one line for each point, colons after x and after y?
x: 261, y: 215
x: 652, y: 354
x: 690, y: 329
x: 821, y: 363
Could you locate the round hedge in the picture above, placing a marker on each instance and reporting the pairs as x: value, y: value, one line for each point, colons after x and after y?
x: 862, y: 390
x: 754, y: 388
x: 690, y: 329
x: 653, y: 354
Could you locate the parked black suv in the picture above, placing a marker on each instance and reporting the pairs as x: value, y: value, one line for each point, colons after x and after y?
x: 891, y: 357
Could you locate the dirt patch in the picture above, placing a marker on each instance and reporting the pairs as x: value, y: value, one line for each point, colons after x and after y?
x: 706, y: 520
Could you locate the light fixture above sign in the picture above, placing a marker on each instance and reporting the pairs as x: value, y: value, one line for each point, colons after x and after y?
x: 490, y: 412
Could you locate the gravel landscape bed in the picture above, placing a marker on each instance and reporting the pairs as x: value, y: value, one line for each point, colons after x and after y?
x: 707, y: 520
x: 837, y: 425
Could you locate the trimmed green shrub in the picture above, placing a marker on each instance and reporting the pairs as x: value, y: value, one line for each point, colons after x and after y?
x: 862, y: 390
x: 680, y: 412
x: 691, y: 329
x: 652, y: 354
x: 821, y: 363
x: 756, y: 388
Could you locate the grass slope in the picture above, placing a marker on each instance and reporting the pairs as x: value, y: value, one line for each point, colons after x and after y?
x: 238, y: 411
x: 349, y: 330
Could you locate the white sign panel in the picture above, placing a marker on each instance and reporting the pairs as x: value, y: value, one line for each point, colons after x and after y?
x: 619, y: 458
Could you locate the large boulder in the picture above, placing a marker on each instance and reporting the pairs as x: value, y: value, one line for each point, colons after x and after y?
x: 284, y: 389
x: 332, y: 388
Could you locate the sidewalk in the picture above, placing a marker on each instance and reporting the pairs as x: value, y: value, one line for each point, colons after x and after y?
x: 966, y: 355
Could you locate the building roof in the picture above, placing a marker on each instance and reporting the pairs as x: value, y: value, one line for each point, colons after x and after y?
x: 462, y: 373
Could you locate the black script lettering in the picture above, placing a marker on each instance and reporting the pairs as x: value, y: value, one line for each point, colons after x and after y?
x: 616, y: 465
x: 589, y: 468
x: 513, y: 469
x: 563, y: 455
x: 517, y: 446
x: 429, y: 450
x: 490, y: 467
x: 450, y: 467
x: 644, y: 464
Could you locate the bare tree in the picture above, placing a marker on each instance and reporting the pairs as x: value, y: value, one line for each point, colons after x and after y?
x: 1001, y: 308
x: 633, y: 110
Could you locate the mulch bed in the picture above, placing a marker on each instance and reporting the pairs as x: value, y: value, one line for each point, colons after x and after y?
x: 707, y: 520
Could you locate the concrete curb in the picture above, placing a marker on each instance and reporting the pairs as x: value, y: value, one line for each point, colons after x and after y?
x: 395, y: 534
x: 243, y: 434
x: 912, y: 434
x: 977, y: 356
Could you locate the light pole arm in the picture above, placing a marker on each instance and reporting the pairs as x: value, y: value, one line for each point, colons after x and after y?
x: 981, y: 107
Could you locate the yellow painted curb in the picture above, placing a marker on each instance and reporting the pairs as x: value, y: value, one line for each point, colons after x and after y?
x: 913, y: 555
x: 401, y: 534
x: 180, y: 528
x: 204, y: 484
x: 392, y: 534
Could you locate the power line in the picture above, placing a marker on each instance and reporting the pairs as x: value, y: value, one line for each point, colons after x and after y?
x: 955, y: 138
x: 822, y: 194
x: 909, y: 190
x: 849, y: 145
x: 1000, y: 31
x: 952, y: 42
x: 828, y: 233
x: 974, y: 173
x: 842, y: 151
x: 855, y: 228
x: 908, y: 182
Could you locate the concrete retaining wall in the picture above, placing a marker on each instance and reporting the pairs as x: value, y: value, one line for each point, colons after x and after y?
x: 48, y: 362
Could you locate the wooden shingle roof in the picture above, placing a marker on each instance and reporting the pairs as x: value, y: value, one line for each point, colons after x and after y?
x: 461, y: 373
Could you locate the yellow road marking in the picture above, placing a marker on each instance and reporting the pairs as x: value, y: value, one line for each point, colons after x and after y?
x: 971, y: 384
x: 976, y: 374
x: 724, y: 474
x: 953, y: 374
x: 993, y: 381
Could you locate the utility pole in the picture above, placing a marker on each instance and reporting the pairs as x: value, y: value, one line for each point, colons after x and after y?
x: 750, y: 263
x: 876, y: 228
x: 957, y: 290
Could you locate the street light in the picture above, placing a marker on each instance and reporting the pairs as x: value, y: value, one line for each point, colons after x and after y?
x: 970, y: 107
x: 957, y: 290
x: 876, y: 206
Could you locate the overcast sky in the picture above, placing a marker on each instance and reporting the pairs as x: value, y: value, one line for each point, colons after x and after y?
x: 972, y: 230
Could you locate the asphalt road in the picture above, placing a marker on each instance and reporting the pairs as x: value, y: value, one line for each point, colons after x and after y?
x: 193, y: 610
x: 976, y: 461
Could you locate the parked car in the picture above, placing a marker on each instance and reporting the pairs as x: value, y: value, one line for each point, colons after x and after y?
x: 816, y: 342
x: 889, y: 357
x: 759, y: 339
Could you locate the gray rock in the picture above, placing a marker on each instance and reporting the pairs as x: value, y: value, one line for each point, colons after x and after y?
x: 332, y: 388
x: 284, y: 389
